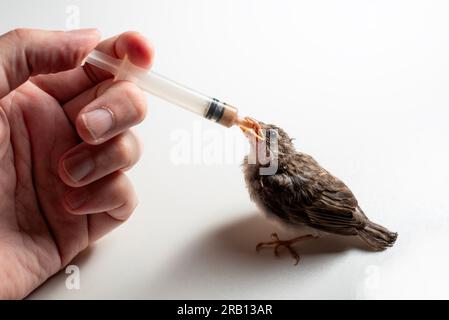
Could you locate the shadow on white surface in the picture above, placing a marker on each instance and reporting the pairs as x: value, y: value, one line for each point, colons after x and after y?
x: 224, y: 263
x: 242, y: 235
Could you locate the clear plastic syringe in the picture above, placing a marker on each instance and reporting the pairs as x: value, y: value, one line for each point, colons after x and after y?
x: 158, y: 85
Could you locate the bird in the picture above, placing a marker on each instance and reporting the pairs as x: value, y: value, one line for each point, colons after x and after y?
x: 299, y: 194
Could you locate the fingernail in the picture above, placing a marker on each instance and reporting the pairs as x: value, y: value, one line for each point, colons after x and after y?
x: 78, y: 166
x: 76, y: 198
x: 98, y: 122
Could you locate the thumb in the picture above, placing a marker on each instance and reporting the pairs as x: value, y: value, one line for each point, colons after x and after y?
x: 27, y: 52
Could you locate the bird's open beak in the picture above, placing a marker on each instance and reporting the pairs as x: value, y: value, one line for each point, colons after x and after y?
x: 251, y: 128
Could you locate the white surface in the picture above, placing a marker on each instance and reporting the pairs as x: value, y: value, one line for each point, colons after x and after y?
x: 362, y: 85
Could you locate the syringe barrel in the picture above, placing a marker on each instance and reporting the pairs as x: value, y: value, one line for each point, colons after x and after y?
x: 191, y: 100
x: 166, y: 89
x: 175, y: 93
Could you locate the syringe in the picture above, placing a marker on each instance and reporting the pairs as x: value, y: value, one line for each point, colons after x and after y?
x: 158, y: 85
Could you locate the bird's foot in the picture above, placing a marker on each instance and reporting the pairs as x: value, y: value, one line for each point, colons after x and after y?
x: 277, y: 243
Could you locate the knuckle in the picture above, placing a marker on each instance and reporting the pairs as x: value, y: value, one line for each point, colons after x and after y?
x: 126, y: 210
x: 102, y: 87
x: 138, y: 100
x: 132, y: 204
x: 128, y: 148
x: 123, y: 150
x: 136, y: 143
x: 130, y: 201
x: 19, y: 33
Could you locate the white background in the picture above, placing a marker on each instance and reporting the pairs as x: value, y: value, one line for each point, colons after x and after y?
x: 363, y: 86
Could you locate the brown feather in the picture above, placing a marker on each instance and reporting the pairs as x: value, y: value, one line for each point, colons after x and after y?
x: 302, y: 192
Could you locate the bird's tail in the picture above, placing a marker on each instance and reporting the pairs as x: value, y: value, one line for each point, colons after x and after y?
x: 377, y: 236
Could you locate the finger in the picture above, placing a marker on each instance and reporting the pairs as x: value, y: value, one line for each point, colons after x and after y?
x: 27, y: 52
x: 73, y: 107
x: 113, y: 195
x: 131, y: 44
x: 120, y: 107
x: 4, y: 133
x: 67, y: 85
x: 100, y: 224
x: 86, y: 163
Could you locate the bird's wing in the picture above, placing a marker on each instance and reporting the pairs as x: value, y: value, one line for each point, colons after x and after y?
x: 307, y: 193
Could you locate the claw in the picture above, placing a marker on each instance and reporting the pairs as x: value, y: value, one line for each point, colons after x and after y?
x: 276, y: 249
x: 277, y: 243
x: 294, y: 255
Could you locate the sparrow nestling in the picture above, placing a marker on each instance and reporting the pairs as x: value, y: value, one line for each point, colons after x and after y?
x: 299, y: 192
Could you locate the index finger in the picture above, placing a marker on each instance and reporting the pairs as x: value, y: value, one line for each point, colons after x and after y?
x: 66, y: 85
x: 132, y: 44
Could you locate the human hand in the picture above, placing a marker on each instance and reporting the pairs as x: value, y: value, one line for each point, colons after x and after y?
x: 64, y: 146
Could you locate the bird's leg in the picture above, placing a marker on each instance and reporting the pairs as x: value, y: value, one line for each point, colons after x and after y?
x: 284, y: 243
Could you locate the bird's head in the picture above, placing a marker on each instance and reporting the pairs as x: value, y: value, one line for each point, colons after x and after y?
x: 268, y: 142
